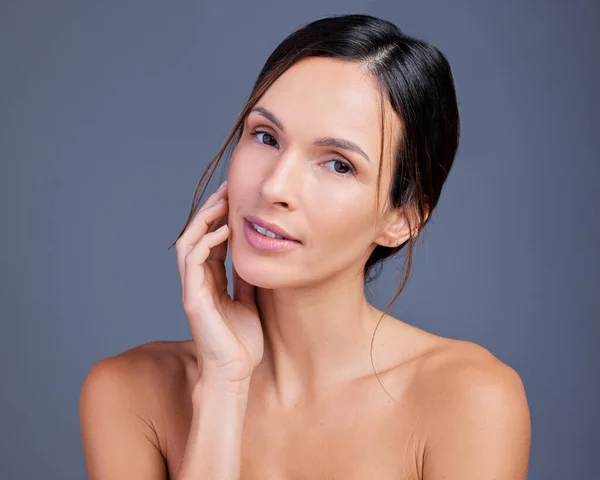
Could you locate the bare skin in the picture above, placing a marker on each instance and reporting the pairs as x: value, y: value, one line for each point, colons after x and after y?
x: 315, y: 408
x: 352, y: 431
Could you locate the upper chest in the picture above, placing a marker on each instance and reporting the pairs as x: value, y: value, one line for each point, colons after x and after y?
x: 360, y: 434
x: 341, y: 440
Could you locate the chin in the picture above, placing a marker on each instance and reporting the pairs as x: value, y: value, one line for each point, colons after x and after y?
x: 264, y: 272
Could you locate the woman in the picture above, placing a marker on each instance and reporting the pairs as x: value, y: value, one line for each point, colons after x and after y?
x: 340, y: 156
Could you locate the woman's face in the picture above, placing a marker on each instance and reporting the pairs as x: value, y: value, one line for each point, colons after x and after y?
x: 320, y: 193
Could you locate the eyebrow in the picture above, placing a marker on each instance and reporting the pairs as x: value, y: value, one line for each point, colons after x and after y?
x: 319, y: 142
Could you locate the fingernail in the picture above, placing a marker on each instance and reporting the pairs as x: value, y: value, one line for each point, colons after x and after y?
x: 222, y: 186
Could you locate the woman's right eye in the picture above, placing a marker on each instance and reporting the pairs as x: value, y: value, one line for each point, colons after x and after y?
x: 255, y: 134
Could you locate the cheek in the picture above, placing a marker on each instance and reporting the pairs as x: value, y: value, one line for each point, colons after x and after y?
x: 343, y: 221
x: 244, y: 165
x: 239, y: 174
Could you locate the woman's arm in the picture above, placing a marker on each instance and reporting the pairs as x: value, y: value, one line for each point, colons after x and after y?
x: 120, y: 441
x: 117, y: 405
x: 213, y: 447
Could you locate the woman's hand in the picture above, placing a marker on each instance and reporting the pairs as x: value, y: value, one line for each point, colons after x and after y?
x: 227, y: 332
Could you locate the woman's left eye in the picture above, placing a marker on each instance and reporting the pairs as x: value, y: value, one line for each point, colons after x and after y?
x: 350, y: 170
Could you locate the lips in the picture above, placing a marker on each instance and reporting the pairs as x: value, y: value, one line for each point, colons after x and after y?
x: 271, y: 227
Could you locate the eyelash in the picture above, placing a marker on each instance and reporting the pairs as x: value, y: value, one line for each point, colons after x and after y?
x: 352, y: 171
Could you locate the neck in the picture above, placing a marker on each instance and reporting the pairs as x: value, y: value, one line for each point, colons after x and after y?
x: 315, y: 337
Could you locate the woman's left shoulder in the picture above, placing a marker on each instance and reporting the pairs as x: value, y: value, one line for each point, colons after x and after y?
x: 473, y: 413
x: 462, y: 360
x: 465, y: 375
x: 470, y: 409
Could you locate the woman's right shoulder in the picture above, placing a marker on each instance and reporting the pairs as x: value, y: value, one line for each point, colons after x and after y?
x: 146, y: 380
x: 149, y: 377
x: 124, y: 408
x: 150, y: 368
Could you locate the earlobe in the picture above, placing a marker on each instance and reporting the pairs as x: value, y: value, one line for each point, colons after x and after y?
x: 397, y: 241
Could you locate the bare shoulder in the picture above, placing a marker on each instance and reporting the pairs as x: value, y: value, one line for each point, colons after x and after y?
x: 126, y: 403
x: 454, y: 369
x: 459, y: 364
x: 475, y: 412
x: 148, y: 365
x: 147, y: 378
x: 443, y: 369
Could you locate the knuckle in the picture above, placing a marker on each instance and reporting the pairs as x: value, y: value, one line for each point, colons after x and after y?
x: 191, y: 306
x: 180, y: 244
x: 199, y: 251
x: 189, y: 258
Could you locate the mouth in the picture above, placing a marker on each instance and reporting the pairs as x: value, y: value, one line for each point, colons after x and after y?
x: 266, y: 240
x: 269, y: 229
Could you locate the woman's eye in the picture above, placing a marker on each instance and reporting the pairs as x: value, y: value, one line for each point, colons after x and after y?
x: 255, y: 133
x: 347, y: 169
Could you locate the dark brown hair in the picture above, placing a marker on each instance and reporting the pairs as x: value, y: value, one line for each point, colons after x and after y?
x: 416, y: 80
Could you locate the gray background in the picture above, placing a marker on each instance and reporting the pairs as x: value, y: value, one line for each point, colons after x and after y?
x: 109, y: 112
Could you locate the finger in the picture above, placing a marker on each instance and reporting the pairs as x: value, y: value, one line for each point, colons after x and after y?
x: 211, y: 333
x: 202, y: 222
x: 199, y: 225
x: 219, y: 252
x: 196, y: 295
x: 195, y: 229
x: 217, y: 255
x: 222, y: 220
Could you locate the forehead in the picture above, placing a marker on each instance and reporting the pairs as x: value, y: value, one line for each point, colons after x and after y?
x: 325, y: 96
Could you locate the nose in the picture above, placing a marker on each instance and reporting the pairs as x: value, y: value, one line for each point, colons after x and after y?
x: 284, y: 180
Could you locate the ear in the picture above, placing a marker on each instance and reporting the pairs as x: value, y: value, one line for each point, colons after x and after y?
x: 396, y: 230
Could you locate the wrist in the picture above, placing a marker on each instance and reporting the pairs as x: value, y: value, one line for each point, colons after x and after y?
x: 205, y: 386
